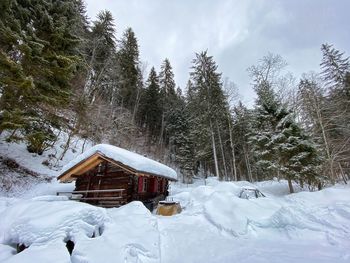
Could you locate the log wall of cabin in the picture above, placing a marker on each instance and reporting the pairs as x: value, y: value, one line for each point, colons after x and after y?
x: 105, y: 177
x: 109, y: 176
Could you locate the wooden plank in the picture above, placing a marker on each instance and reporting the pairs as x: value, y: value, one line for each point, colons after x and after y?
x: 116, y: 175
x: 93, y: 191
x: 106, y: 203
x: 116, y: 180
x: 110, y: 205
x: 100, y: 198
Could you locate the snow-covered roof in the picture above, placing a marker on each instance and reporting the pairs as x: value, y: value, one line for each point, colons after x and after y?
x: 133, y: 160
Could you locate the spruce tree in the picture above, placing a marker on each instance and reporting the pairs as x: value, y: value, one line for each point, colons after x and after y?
x: 208, y: 107
x: 298, y: 157
x: 334, y: 66
x: 101, y: 58
x: 168, y: 97
x: 128, y: 59
x: 280, y: 145
x: 38, y: 57
x: 336, y: 75
x: 242, y: 128
x: 282, y: 148
x: 181, y: 138
x: 151, y: 106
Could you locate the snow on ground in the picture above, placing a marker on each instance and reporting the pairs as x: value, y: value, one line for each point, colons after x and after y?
x: 215, y: 226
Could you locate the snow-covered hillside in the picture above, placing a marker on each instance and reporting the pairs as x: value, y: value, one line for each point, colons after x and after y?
x: 14, y: 183
x: 214, y: 226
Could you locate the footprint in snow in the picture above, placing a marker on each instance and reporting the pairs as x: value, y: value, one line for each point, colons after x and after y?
x: 135, y: 253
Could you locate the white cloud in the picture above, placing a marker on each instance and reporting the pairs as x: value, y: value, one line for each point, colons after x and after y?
x: 237, y: 33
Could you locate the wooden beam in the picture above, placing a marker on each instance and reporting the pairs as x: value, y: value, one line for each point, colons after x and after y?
x: 92, y: 191
x: 99, y: 198
x: 81, y: 167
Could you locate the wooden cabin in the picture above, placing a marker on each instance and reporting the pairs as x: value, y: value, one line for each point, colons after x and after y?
x: 110, y: 176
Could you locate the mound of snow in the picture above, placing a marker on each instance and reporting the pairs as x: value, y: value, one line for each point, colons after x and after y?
x: 234, y: 215
x: 39, y: 222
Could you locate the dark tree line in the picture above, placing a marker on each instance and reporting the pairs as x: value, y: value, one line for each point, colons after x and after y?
x: 61, y: 73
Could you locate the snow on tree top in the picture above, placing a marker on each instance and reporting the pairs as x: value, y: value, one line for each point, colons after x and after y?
x: 131, y: 159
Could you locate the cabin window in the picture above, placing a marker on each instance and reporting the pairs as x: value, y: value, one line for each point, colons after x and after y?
x: 145, y: 185
x: 153, y: 185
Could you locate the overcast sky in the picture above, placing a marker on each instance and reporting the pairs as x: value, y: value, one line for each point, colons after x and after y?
x: 236, y: 32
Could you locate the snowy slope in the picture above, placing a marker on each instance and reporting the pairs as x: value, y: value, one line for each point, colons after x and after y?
x: 18, y: 151
x: 17, y: 184
x: 215, y: 226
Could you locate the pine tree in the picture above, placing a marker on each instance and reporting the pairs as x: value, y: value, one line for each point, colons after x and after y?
x: 128, y: 59
x: 280, y: 145
x: 168, y: 97
x: 101, y: 58
x: 298, y: 156
x: 180, y: 139
x: 282, y: 148
x: 334, y: 66
x: 242, y: 128
x: 166, y: 80
x: 336, y: 74
x: 208, y: 107
x: 151, y: 106
x: 267, y: 115
x: 38, y: 57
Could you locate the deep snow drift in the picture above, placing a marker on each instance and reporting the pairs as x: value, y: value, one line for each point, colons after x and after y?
x: 215, y: 226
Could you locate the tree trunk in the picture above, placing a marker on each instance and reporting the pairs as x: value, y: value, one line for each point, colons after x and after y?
x: 82, y: 149
x: 214, y: 151
x: 222, y: 152
x: 137, y: 102
x: 249, y: 171
x: 70, y: 135
x: 66, y: 146
x: 325, y: 140
x: 342, y: 174
x: 233, y: 152
x: 290, y: 185
x: 161, y: 131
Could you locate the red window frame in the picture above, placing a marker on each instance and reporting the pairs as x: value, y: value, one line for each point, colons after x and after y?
x: 143, y: 184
